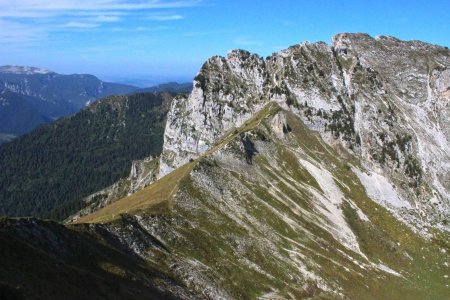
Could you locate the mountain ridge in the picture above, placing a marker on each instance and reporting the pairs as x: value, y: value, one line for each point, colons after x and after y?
x: 318, y: 173
x: 23, y: 70
x: 315, y: 80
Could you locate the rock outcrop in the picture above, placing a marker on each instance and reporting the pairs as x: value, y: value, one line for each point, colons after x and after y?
x: 384, y: 99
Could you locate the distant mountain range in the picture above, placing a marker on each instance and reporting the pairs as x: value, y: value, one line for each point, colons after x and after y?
x: 32, y: 96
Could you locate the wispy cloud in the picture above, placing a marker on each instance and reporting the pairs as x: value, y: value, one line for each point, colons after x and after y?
x: 13, y: 33
x: 107, y: 19
x: 27, y: 21
x: 91, y: 22
x: 39, y: 8
x: 80, y: 25
x: 141, y: 28
x: 165, y: 17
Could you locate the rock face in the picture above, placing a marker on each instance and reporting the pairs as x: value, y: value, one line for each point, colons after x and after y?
x: 384, y: 99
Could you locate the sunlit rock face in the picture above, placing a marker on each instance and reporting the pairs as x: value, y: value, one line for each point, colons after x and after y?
x: 383, y: 99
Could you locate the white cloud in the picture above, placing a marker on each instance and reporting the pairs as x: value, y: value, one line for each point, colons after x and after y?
x: 165, y: 17
x: 39, y: 8
x: 13, y: 33
x: 107, y: 19
x: 80, y: 25
x: 24, y: 21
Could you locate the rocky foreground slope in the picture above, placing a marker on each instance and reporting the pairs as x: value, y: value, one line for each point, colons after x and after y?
x: 320, y: 172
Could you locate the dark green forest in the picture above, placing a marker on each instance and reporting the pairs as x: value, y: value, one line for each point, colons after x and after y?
x: 47, y: 172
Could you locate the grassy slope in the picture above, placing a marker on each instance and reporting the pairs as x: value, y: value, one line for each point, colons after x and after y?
x: 255, y: 229
x: 159, y: 195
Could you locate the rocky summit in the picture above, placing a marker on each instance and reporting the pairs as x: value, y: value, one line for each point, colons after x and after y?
x: 320, y: 172
x: 383, y: 100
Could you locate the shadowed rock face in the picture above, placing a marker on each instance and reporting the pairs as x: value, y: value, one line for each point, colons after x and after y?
x: 249, y: 148
x: 383, y: 99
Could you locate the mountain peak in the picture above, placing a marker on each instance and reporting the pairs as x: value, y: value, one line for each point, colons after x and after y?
x: 24, y: 70
x: 353, y: 76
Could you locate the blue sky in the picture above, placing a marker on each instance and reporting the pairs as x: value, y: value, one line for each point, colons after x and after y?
x: 169, y: 40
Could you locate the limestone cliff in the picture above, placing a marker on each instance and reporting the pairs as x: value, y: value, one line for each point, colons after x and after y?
x: 384, y: 99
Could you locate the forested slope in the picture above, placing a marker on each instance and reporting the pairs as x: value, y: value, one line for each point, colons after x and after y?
x: 46, y: 172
